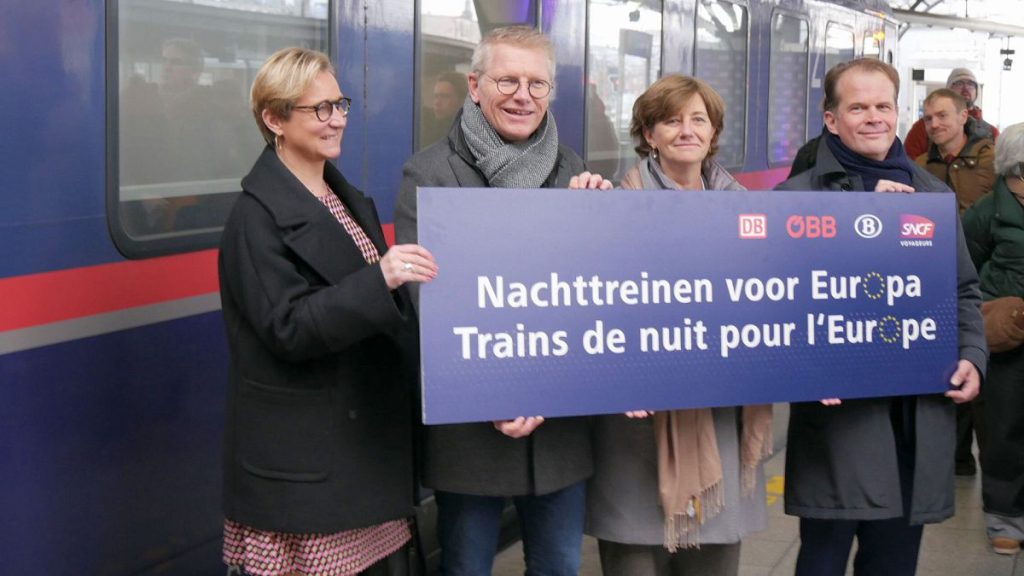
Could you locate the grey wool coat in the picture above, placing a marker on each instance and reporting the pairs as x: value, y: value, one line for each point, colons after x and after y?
x: 622, y: 497
x: 841, y: 460
x: 475, y: 458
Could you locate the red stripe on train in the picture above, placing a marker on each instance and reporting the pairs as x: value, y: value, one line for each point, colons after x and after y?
x: 67, y: 294
x: 764, y: 179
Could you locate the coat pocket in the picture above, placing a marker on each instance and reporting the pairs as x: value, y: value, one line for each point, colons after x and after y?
x: 284, y: 433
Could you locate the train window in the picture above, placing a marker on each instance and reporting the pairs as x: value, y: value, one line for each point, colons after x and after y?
x: 872, y: 45
x: 623, y: 59
x: 838, y: 45
x: 787, y: 88
x: 182, y: 135
x: 720, y: 59
x: 449, y: 31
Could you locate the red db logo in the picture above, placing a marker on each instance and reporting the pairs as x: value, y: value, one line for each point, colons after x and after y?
x: 753, y: 226
x: 811, y: 226
x: 916, y: 227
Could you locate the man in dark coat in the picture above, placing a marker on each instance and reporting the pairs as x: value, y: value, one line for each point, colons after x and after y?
x: 504, y: 137
x: 877, y: 468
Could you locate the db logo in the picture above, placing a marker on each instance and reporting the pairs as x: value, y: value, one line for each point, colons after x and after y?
x: 916, y: 227
x: 811, y: 226
x: 753, y: 226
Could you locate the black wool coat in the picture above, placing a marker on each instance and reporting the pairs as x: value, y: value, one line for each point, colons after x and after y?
x: 323, y: 363
x: 841, y: 460
x: 476, y: 458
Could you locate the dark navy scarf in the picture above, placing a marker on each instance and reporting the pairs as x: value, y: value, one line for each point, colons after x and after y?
x: 895, y: 167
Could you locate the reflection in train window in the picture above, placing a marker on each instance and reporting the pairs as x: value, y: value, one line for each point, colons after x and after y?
x: 624, y: 58
x: 720, y: 59
x: 787, y: 89
x: 873, y: 44
x: 449, y: 30
x: 185, y: 135
x: 838, y: 45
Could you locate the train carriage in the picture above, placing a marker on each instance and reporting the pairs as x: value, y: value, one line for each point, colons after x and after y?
x: 127, y: 132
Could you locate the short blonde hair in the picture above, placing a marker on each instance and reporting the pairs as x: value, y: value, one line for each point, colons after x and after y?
x: 664, y: 99
x: 518, y: 36
x: 282, y: 80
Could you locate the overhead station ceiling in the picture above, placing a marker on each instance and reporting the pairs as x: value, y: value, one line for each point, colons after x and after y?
x: 997, y: 17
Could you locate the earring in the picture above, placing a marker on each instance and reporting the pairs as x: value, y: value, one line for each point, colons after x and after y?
x: 277, y: 141
x: 654, y: 152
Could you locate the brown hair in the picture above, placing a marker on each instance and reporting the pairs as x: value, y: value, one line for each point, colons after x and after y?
x: 664, y: 98
x: 282, y: 80
x: 831, y: 102
x: 958, y: 100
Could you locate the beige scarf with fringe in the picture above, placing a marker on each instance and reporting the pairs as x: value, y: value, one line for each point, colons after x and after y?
x: 690, y: 468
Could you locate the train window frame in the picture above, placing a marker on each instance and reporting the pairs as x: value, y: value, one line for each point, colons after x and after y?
x: 732, y: 164
x: 807, y: 84
x: 626, y: 156
x: 160, y: 244
x: 853, y: 41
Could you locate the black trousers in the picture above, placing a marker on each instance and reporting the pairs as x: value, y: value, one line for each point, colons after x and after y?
x: 887, y: 547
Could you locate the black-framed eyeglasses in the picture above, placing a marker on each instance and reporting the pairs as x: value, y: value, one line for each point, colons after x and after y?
x: 508, y: 86
x: 962, y: 83
x: 324, y: 109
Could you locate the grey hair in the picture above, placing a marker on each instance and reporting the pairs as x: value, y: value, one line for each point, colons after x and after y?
x: 1010, y: 151
x: 518, y: 36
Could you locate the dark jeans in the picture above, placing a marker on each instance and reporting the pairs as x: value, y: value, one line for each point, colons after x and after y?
x: 551, y: 524
x: 884, y: 547
x: 887, y: 547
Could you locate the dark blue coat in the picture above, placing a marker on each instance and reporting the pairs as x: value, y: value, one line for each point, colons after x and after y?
x: 841, y: 460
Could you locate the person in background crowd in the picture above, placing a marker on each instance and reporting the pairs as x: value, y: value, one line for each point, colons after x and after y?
x: 504, y: 137
x: 318, y: 449
x: 963, y: 82
x: 858, y: 468
x: 994, y: 227
x: 963, y: 159
x: 957, y: 155
x: 649, y: 472
x: 448, y: 94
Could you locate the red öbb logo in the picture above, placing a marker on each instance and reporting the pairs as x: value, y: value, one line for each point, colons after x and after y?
x: 799, y: 226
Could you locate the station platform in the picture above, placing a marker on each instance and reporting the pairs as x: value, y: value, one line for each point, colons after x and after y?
x: 956, y: 547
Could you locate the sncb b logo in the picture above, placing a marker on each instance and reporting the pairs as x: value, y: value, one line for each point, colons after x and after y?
x: 868, y: 226
x: 799, y: 226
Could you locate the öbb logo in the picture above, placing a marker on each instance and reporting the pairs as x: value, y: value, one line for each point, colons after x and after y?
x: 811, y: 226
x: 753, y: 226
x: 916, y: 227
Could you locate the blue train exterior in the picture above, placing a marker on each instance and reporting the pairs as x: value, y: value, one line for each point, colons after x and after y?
x: 112, y: 369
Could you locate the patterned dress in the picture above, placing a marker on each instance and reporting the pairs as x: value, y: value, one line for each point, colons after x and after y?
x: 264, y: 553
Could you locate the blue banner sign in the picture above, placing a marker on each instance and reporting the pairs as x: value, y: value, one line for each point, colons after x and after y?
x: 569, y: 302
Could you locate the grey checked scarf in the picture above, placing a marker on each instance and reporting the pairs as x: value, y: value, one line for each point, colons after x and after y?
x: 525, y: 164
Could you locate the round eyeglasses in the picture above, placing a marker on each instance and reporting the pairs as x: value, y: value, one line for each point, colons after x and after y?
x: 324, y: 109
x: 509, y: 85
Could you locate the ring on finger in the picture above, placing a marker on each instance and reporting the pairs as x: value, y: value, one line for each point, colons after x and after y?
x: 407, y: 266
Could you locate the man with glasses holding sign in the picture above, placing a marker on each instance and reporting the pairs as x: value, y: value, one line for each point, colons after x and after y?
x: 963, y: 82
x: 504, y: 137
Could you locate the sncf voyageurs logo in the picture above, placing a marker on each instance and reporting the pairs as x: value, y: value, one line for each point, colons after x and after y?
x: 916, y: 230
